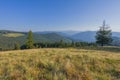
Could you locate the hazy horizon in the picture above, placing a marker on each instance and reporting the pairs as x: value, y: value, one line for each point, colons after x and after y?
x: 59, y: 15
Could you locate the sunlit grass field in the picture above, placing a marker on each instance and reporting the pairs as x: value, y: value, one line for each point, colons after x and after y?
x: 13, y: 34
x: 59, y: 64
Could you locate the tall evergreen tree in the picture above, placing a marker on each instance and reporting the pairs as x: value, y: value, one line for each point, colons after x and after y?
x: 103, y: 35
x: 30, y: 42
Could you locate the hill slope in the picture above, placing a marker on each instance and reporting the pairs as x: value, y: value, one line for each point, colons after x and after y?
x: 9, y: 38
x: 59, y: 64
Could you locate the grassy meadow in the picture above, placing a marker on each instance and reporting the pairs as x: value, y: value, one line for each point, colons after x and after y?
x: 13, y: 35
x: 59, y: 64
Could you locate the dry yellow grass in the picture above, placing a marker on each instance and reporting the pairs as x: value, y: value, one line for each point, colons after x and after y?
x: 59, y: 64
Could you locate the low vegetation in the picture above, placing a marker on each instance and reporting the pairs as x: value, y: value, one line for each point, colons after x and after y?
x: 59, y: 64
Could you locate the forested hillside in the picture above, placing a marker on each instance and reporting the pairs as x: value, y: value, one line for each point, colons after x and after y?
x: 9, y: 38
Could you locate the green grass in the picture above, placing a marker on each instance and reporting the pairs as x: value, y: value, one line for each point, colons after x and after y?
x: 13, y: 34
x: 59, y: 64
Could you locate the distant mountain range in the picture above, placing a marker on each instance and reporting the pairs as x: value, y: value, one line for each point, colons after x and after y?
x: 9, y: 38
x: 85, y: 36
x: 88, y: 36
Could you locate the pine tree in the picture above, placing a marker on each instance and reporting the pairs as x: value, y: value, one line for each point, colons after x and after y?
x: 30, y: 42
x: 104, y: 35
x: 17, y: 46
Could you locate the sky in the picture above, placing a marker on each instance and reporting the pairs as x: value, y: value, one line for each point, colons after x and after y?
x: 59, y: 15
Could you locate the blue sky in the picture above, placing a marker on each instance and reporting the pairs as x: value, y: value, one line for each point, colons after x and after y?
x: 59, y: 15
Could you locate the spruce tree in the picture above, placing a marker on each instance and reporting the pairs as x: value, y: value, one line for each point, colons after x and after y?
x: 104, y: 35
x: 30, y: 42
x: 17, y: 46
